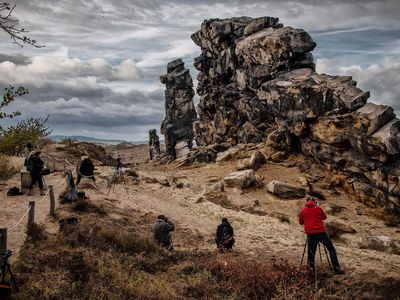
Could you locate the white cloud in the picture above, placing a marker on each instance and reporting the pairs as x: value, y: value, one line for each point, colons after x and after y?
x: 382, y: 79
x: 42, y: 70
x: 128, y: 70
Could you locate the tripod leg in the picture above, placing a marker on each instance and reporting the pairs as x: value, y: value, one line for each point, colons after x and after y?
x: 14, y: 283
x: 320, y: 255
x: 304, y: 251
x: 328, y: 259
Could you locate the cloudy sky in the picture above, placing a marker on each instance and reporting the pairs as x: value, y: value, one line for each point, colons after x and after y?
x: 98, y: 74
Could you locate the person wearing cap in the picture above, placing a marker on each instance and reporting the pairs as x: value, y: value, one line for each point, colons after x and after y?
x: 312, y: 217
x: 35, y: 166
x: 85, y: 169
x: 161, y: 232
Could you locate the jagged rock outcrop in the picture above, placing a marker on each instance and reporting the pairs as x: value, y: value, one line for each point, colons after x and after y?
x: 257, y: 82
x: 179, y: 108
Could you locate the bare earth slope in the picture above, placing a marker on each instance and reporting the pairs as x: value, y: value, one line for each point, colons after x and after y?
x: 259, y: 231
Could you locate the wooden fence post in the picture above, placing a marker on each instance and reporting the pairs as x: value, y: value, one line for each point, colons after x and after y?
x: 31, y: 215
x: 52, y: 202
x: 3, y: 240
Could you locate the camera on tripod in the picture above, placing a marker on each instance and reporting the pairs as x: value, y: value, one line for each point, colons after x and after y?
x: 118, y: 175
x: 6, y: 287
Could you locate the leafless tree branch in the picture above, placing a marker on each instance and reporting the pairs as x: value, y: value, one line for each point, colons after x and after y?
x: 8, y: 23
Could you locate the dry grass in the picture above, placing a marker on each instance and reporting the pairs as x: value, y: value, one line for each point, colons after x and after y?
x: 6, y: 167
x: 88, y: 207
x: 104, y: 258
x: 93, y: 260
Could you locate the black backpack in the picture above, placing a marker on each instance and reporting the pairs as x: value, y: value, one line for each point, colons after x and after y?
x: 14, y: 191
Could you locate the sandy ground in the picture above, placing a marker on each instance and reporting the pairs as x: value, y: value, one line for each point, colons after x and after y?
x: 196, y: 221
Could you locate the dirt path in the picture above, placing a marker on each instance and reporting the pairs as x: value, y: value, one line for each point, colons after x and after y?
x: 196, y: 221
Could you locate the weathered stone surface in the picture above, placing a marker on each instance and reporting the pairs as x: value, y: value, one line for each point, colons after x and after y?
x: 230, y: 154
x: 274, y: 48
x: 285, y: 190
x: 256, y: 160
x: 260, y: 23
x: 242, y: 164
x: 380, y: 243
x: 179, y: 108
x: 373, y: 117
x: 241, y: 179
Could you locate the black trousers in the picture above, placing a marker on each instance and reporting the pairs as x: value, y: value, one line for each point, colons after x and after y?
x: 313, y: 240
x: 36, y: 177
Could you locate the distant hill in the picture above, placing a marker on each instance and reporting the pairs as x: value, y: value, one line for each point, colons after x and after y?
x: 79, y: 138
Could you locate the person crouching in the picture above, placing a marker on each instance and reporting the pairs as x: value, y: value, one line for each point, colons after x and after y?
x: 161, y: 232
x: 224, y: 236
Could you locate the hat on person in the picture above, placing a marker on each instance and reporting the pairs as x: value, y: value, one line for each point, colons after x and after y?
x: 312, y: 198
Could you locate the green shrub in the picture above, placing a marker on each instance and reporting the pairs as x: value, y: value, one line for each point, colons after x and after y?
x: 14, y: 139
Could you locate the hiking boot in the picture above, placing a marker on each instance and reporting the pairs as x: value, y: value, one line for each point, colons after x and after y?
x: 30, y: 193
x: 338, y: 271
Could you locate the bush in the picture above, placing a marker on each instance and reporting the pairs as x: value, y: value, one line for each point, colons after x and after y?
x: 255, y: 280
x: 14, y: 139
x: 6, y: 168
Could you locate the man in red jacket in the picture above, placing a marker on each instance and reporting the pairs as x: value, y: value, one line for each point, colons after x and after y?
x: 312, y: 216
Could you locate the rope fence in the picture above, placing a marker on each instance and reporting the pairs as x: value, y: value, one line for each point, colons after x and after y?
x: 30, y: 212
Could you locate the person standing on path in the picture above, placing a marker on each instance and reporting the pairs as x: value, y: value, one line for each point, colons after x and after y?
x: 312, y: 216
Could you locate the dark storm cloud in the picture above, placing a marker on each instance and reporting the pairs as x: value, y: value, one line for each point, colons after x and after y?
x: 102, y: 61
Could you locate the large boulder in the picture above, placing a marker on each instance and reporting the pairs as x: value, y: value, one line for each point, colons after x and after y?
x: 286, y: 190
x: 380, y: 243
x: 241, y: 179
x: 335, y: 229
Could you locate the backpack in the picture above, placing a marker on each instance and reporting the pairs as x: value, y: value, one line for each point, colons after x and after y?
x: 14, y: 191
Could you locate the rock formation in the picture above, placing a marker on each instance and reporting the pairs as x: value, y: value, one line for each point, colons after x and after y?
x: 257, y: 82
x: 179, y: 108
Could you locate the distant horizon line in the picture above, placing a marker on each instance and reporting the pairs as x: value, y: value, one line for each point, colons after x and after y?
x: 59, y: 136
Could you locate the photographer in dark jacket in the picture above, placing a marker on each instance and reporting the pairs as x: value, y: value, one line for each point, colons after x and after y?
x: 85, y: 169
x: 161, y: 232
x: 35, y: 167
x: 224, y: 236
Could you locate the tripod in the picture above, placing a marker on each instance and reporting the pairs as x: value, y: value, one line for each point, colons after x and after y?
x: 320, y: 255
x: 118, y: 173
x: 6, y: 268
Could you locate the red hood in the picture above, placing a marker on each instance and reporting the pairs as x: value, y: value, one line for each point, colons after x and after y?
x: 310, y: 204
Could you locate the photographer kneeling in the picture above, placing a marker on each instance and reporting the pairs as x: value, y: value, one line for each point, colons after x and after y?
x: 161, y: 231
x: 312, y: 216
